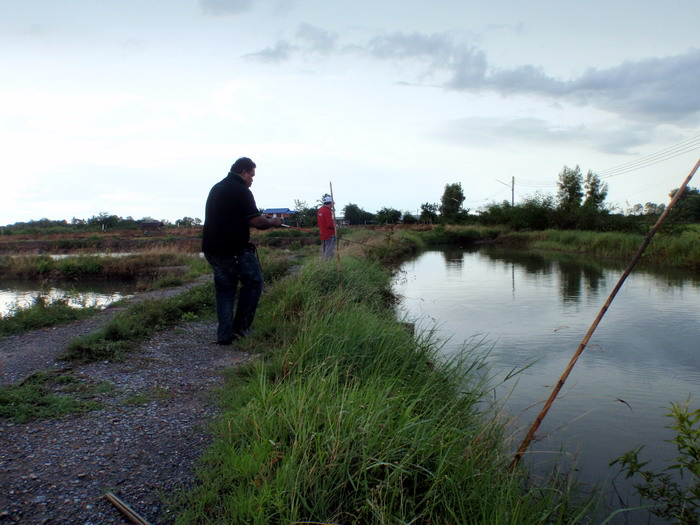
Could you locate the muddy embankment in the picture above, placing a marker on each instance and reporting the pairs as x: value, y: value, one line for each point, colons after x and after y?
x: 126, y: 242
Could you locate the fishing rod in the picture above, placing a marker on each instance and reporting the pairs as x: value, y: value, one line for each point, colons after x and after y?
x: 335, y: 231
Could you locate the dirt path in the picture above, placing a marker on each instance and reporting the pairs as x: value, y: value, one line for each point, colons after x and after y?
x: 142, y: 445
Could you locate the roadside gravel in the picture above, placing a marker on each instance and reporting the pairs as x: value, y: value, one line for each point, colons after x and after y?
x: 143, y: 445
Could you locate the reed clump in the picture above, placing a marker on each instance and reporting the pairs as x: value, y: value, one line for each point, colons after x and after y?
x: 351, y: 419
x: 682, y: 251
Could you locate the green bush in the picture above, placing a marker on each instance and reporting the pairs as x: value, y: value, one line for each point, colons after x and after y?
x: 674, y: 499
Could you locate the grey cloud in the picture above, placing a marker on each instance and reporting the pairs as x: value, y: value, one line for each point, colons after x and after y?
x: 655, y: 89
x: 658, y: 89
x: 316, y: 39
x: 225, y: 7
x: 280, y: 52
x: 666, y: 88
x: 400, y: 45
x: 494, y: 132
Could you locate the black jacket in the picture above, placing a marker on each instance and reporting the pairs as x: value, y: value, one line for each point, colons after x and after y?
x: 230, y: 206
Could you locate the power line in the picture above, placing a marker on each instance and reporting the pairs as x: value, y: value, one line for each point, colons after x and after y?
x: 671, y: 152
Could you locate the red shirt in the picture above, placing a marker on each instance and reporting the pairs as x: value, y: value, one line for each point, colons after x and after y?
x: 326, y: 226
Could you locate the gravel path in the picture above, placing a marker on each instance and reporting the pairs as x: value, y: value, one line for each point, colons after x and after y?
x: 142, y: 445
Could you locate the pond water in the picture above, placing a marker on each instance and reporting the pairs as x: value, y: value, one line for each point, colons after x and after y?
x: 20, y: 293
x: 533, y: 310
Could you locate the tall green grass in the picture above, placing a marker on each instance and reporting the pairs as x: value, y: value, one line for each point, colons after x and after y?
x: 681, y: 251
x: 351, y: 419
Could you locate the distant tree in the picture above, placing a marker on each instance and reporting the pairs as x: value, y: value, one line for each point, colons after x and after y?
x: 570, y: 192
x: 651, y: 208
x: 104, y: 220
x: 451, y: 202
x: 356, y: 215
x: 409, y: 218
x: 533, y: 213
x: 687, y: 208
x: 596, y: 192
x: 388, y: 216
x: 429, y: 212
x: 636, y: 209
x: 305, y: 215
x: 185, y: 222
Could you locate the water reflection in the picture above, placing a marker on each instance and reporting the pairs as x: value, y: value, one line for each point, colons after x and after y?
x: 534, y: 310
x: 21, y: 293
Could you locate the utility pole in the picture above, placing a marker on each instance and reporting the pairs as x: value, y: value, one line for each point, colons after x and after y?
x: 512, y: 189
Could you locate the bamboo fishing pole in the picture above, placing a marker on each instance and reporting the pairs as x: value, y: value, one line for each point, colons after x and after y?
x: 128, y: 512
x: 337, y: 239
x: 596, y: 322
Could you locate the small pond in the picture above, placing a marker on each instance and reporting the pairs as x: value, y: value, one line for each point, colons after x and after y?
x: 532, y: 311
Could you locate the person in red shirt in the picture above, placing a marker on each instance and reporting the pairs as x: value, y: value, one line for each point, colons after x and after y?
x: 326, y: 227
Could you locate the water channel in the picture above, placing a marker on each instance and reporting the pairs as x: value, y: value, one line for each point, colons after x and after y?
x: 531, y: 311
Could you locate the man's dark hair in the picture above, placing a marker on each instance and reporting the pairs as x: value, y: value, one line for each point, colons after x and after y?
x: 242, y: 164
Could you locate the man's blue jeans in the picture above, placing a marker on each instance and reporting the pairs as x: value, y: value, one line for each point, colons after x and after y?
x: 228, y: 273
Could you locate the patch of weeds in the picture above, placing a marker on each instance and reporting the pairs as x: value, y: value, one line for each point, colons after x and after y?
x: 167, y: 281
x: 189, y: 317
x: 156, y: 393
x: 137, y: 399
x: 42, y: 313
x: 161, y: 393
x: 49, y: 395
x: 675, y: 489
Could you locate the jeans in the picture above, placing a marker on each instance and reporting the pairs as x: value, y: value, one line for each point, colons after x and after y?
x: 327, y: 247
x: 228, y: 272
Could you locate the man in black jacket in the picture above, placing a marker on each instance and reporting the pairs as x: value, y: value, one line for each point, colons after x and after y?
x: 230, y: 212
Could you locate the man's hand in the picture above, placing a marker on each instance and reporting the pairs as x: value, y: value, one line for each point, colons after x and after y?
x: 263, y: 223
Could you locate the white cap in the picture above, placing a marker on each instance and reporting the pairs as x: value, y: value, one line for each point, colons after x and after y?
x: 327, y: 199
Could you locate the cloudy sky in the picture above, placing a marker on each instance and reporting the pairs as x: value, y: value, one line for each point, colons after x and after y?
x: 136, y: 108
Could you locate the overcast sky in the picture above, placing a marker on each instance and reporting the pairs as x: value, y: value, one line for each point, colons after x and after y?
x: 137, y: 108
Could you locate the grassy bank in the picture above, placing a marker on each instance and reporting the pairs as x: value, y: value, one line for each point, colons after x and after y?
x: 681, y: 251
x: 349, y: 418
x: 141, y: 265
x: 42, y: 314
